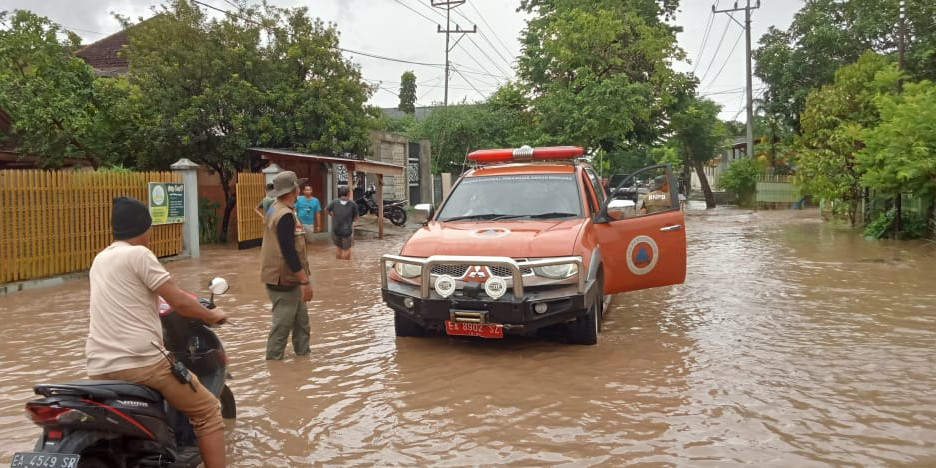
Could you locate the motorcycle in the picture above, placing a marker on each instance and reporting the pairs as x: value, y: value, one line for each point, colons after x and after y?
x: 112, y: 423
x: 394, y: 210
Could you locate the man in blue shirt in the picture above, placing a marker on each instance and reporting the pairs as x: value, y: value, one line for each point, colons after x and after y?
x: 309, y: 211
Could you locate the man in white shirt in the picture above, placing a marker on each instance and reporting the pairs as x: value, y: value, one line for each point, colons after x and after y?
x: 126, y: 281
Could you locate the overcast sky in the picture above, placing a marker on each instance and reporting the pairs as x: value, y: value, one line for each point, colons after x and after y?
x: 406, y: 30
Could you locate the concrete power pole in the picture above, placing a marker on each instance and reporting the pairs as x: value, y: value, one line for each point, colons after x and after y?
x: 901, y: 47
x: 448, y: 5
x: 749, y: 76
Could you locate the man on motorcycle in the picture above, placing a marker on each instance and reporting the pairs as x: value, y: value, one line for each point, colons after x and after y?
x: 125, y: 330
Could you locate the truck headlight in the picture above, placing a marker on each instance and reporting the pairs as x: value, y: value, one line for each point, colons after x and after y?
x: 407, y: 270
x: 562, y: 271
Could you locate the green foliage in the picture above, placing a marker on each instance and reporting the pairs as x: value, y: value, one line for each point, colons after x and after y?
x: 207, y: 89
x: 597, y: 74
x: 832, y: 126
x: 741, y: 178
x: 913, y: 224
x: 408, y: 93
x: 700, y: 136
x: 899, y: 153
x: 58, y: 107
x: 456, y: 130
x: 208, y: 220
x: 828, y: 34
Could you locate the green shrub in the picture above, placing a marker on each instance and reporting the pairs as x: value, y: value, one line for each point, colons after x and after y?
x: 208, y: 220
x: 913, y: 225
x: 741, y: 178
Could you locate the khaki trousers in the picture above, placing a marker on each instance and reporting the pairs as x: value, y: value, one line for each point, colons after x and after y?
x: 200, y: 405
x: 290, y: 315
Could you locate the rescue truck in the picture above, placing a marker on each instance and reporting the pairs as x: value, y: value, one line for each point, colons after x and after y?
x: 529, y: 239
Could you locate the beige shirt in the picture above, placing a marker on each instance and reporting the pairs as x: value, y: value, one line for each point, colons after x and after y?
x: 124, y: 309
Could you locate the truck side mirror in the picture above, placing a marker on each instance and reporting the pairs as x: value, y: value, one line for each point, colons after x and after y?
x: 424, y: 212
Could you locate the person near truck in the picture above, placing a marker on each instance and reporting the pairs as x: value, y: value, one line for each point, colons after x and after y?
x: 284, y: 269
x: 345, y: 212
x: 124, y: 329
x: 659, y: 197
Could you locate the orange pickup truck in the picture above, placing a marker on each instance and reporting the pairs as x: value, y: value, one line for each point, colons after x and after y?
x: 530, y: 239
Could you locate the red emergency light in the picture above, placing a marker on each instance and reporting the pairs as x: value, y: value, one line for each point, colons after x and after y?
x: 525, y: 153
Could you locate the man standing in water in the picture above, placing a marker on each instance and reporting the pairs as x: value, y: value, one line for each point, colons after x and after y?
x: 126, y: 280
x: 284, y: 269
x: 309, y: 210
x: 344, y: 212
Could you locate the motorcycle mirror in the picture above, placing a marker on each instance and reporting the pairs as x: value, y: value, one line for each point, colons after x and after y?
x: 218, y: 285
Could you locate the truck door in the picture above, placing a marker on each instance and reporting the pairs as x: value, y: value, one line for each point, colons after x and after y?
x: 641, y: 232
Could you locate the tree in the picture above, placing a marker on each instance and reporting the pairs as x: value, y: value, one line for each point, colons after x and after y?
x: 59, y: 108
x: 899, y: 154
x: 827, y: 34
x: 210, y: 89
x: 832, y: 126
x: 407, y: 93
x: 458, y: 129
x: 700, y: 135
x: 597, y: 74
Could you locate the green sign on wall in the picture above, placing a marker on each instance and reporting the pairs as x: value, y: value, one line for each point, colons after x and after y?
x: 166, y: 202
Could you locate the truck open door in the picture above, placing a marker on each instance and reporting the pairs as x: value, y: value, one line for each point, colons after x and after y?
x: 641, y: 232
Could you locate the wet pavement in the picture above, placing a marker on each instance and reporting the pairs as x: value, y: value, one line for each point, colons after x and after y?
x: 792, y: 343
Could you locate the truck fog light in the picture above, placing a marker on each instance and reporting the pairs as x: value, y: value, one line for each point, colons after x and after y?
x: 445, y: 285
x: 540, y: 308
x: 408, y: 302
x: 495, y: 287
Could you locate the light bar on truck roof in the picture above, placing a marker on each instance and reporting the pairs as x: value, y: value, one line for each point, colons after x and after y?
x: 525, y: 153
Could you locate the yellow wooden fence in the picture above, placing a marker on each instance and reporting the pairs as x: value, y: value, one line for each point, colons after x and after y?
x: 55, y: 222
x: 251, y: 189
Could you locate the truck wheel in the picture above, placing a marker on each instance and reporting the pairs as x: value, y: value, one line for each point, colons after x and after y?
x: 584, y: 330
x: 406, y: 327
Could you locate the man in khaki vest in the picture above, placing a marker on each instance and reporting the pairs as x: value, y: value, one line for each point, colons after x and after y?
x: 284, y: 269
x: 659, y: 198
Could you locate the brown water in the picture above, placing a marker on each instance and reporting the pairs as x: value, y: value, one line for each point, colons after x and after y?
x: 792, y: 343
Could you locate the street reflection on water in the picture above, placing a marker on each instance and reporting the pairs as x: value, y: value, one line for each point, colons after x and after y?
x: 792, y: 343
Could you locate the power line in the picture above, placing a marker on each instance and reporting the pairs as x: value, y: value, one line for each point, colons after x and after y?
x: 727, y: 59
x: 487, y: 56
x: 715, y: 55
x: 493, y: 31
x: 470, y: 84
x: 748, y: 76
x: 448, y: 5
x: 493, y: 47
x: 708, y: 29
x: 414, y: 11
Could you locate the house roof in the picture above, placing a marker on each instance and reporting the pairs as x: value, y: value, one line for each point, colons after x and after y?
x: 104, y: 57
x: 363, y: 165
x: 419, y: 114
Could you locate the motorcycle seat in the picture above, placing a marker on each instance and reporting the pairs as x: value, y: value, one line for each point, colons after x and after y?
x: 100, y: 390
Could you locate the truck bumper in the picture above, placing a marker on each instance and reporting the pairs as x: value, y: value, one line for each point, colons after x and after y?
x: 517, y: 315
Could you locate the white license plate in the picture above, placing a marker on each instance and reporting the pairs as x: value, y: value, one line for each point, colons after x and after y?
x: 44, y: 460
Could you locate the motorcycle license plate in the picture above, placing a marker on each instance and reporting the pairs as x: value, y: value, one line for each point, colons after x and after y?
x: 44, y: 460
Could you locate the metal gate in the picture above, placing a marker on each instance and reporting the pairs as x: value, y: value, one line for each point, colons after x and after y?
x: 251, y: 188
x: 412, y: 169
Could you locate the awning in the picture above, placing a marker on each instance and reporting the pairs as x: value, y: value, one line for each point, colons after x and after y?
x: 362, y: 165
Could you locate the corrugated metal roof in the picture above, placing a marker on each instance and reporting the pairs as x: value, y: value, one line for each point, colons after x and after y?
x: 364, y: 165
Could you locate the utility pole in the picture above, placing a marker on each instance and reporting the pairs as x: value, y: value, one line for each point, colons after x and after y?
x: 901, y: 47
x: 749, y: 76
x: 448, y: 5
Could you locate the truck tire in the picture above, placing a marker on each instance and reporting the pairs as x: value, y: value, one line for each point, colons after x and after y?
x: 406, y: 327
x: 584, y: 330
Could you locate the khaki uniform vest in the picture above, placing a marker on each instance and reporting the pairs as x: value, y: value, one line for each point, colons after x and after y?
x: 657, y: 201
x: 273, y: 268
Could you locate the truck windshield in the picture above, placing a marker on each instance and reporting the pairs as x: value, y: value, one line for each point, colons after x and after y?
x: 519, y: 196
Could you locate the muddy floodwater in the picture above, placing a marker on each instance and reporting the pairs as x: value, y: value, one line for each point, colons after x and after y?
x: 792, y: 343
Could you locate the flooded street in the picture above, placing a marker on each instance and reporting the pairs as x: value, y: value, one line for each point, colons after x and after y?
x: 792, y: 343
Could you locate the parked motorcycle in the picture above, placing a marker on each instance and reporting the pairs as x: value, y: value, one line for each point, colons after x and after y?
x: 112, y: 423
x: 394, y: 210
